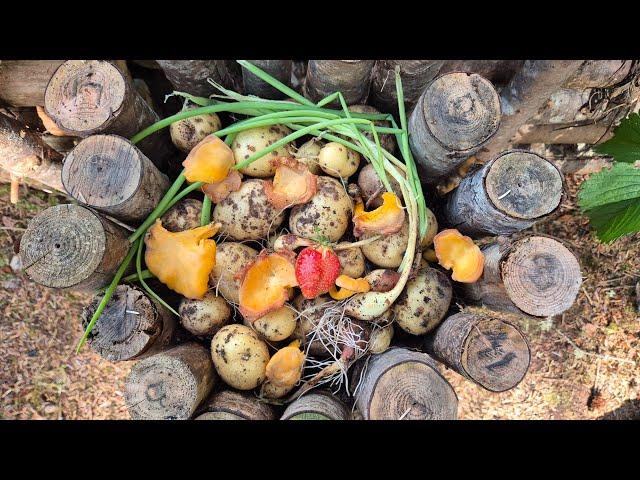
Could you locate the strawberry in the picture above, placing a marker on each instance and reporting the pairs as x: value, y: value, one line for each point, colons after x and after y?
x: 317, y: 268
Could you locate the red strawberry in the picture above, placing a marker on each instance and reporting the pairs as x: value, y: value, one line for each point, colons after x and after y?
x: 316, y: 270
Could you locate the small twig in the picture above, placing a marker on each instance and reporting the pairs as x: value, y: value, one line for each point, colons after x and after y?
x: 405, y: 413
x: 14, y: 195
x: 596, y: 355
x: 504, y: 194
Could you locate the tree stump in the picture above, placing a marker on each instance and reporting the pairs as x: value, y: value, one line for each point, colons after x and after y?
x: 351, y: 77
x: 233, y: 405
x: 318, y: 405
x: 23, y: 82
x: 279, y: 69
x: 191, y: 76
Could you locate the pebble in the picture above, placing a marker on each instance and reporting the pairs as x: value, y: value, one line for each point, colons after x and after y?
x: 16, y: 263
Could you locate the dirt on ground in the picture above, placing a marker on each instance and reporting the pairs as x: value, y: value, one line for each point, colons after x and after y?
x: 585, y: 363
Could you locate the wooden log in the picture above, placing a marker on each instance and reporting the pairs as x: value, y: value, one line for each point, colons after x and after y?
x: 487, y: 350
x: 110, y: 174
x: 506, y: 195
x: 86, y: 97
x: 498, y: 72
x: 351, y: 77
x: 69, y: 246
x: 565, y: 133
x: 599, y: 74
x: 191, y: 75
x: 170, y: 385
x: 415, y: 75
x: 403, y: 384
x: 132, y: 325
x: 23, y: 82
x: 233, y: 405
x: 535, y: 275
x: 456, y: 114
x: 317, y: 405
x: 24, y: 154
x: 279, y: 69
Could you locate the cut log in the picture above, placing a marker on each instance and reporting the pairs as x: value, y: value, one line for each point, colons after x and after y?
x: 498, y: 72
x: 351, y: 77
x: 415, y: 75
x: 233, y: 405
x: 132, y: 325
x: 535, y: 275
x: 191, y: 75
x: 69, y: 246
x: 171, y: 384
x: 86, y: 97
x: 23, y: 82
x: 590, y: 133
x: 599, y: 74
x: 455, y: 115
x: 486, y: 350
x: 403, y: 384
x: 278, y: 69
x: 318, y: 405
x: 506, y: 195
x: 24, y: 154
x: 110, y: 174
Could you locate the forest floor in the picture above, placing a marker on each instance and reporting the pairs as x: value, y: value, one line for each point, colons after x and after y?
x: 585, y: 363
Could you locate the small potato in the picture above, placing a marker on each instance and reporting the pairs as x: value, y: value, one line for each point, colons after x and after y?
x: 247, y: 214
x: 351, y: 261
x: 432, y: 229
x: 338, y: 161
x: 327, y: 214
x: 388, y: 251
x: 231, y: 257
x: 308, y: 154
x: 185, y: 134
x: 239, y: 356
x: 206, y: 316
x: 311, y: 311
x: 380, y: 339
x: 387, y: 140
x: 270, y: 390
x: 277, y: 325
x: 253, y: 140
x: 184, y: 215
x: 371, y: 186
x: 424, y: 302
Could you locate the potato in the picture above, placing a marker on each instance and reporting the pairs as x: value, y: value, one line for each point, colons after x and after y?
x: 239, y: 356
x: 388, y: 251
x: 424, y: 302
x: 380, y: 339
x: 253, y: 140
x: 338, y: 161
x: 308, y: 154
x: 387, y: 140
x: 247, y: 214
x: 432, y: 229
x: 351, y: 261
x: 270, y: 390
x: 327, y: 214
x: 310, y: 311
x: 370, y: 185
x: 231, y: 257
x: 277, y: 325
x: 206, y: 316
x: 185, y: 134
x: 184, y: 215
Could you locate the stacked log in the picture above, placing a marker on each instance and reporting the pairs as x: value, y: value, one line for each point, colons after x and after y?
x: 232, y: 405
x: 192, y: 76
x: 278, y: 69
x: 318, y: 405
x: 351, y: 77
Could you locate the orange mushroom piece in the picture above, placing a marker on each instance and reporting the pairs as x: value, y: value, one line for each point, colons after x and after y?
x: 218, y: 191
x: 458, y: 252
x: 340, y: 294
x: 266, y: 283
x: 292, y: 184
x: 182, y: 260
x: 348, y: 287
x: 285, y: 366
x: 209, y: 161
x: 386, y: 219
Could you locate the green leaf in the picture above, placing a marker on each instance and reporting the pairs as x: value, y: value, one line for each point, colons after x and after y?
x: 624, y: 146
x: 614, y: 220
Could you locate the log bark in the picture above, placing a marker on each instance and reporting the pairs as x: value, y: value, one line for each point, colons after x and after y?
x: 279, y: 69
x: 456, y: 114
x: 233, y: 405
x: 403, y: 384
x: 23, y: 82
x: 486, y: 350
x: 599, y: 74
x: 415, y: 75
x: 318, y: 405
x: 498, y: 72
x: 110, y: 174
x: 170, y: 385
x: 590, y: 133
x: 86, y: 97
x: 506, y: 195
x: 69, y: 246
x: 534, y: 275
x: 24, y: 154
x: 132, y: 325
x: 351, y: 77
x: 191, y: 75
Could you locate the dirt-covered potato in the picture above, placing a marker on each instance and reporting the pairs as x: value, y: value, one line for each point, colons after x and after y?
x: 277, y: 325
x: 371, y: 186
x: 380, y: 339
x: 231, y: 257
x: 310, y: 311
x: 327, y: 214
x: 387, y: 140
x: 388, y: 251
x: 253, y: 140
x: 432, y: 229
x: 424, y: 302
x: 270, y: 390
x: 351, y: 261
x: 247, y: 214
x: 308, y: 154
x: 239, y: 356
x: 184, y: 215
x: 185, y: 134
x: 338, y: 161
x: 206, y: 316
